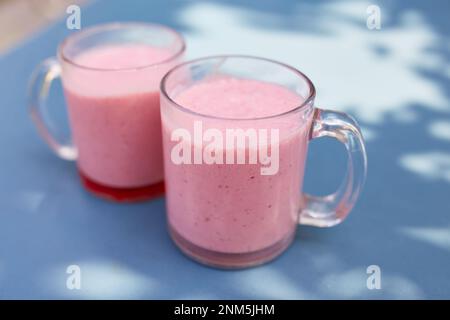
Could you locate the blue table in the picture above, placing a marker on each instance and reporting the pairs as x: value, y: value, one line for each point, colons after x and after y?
x: 394, y: 80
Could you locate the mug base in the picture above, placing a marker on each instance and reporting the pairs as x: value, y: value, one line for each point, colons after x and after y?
x: 230, y: 260
x: 122, y: 194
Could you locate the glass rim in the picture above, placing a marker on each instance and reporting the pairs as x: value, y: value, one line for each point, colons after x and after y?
x: 119, y: 25
x: 307, y: 101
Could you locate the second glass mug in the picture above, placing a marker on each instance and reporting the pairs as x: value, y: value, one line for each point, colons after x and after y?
x: 110, y: 75
x: 230, y: 215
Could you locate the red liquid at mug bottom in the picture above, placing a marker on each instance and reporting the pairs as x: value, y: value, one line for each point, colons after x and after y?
x: 115, y: 121
x: 231, y: 215
x: 122, y: 194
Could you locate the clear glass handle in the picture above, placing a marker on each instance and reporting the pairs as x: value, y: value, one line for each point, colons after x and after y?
x: 39, y: 87
x: 330, y: 210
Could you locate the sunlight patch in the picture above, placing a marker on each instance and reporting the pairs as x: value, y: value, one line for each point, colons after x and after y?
x: 430, y: 165
x: 439, y: 237
x: 336, y: 50
x: 440, y: 130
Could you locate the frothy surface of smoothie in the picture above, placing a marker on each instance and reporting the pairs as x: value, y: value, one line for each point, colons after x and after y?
x: 234, y: 98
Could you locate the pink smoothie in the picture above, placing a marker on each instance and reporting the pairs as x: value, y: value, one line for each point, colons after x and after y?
x: 233, y: 208
x: 114, y: 115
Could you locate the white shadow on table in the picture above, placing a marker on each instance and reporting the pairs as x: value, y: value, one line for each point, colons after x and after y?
x: 433, y: 165
x: 102, y: 280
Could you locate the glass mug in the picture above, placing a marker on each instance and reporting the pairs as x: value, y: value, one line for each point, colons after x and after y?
x: 110, y: 75
x: 234, y: 214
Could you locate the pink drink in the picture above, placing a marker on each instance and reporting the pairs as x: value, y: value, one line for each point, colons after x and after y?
x: 114, y: 115
x: 232, y: 208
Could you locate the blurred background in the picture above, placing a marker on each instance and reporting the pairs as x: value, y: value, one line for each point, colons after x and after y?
x: 20, y: 18
x: 395, y: 80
